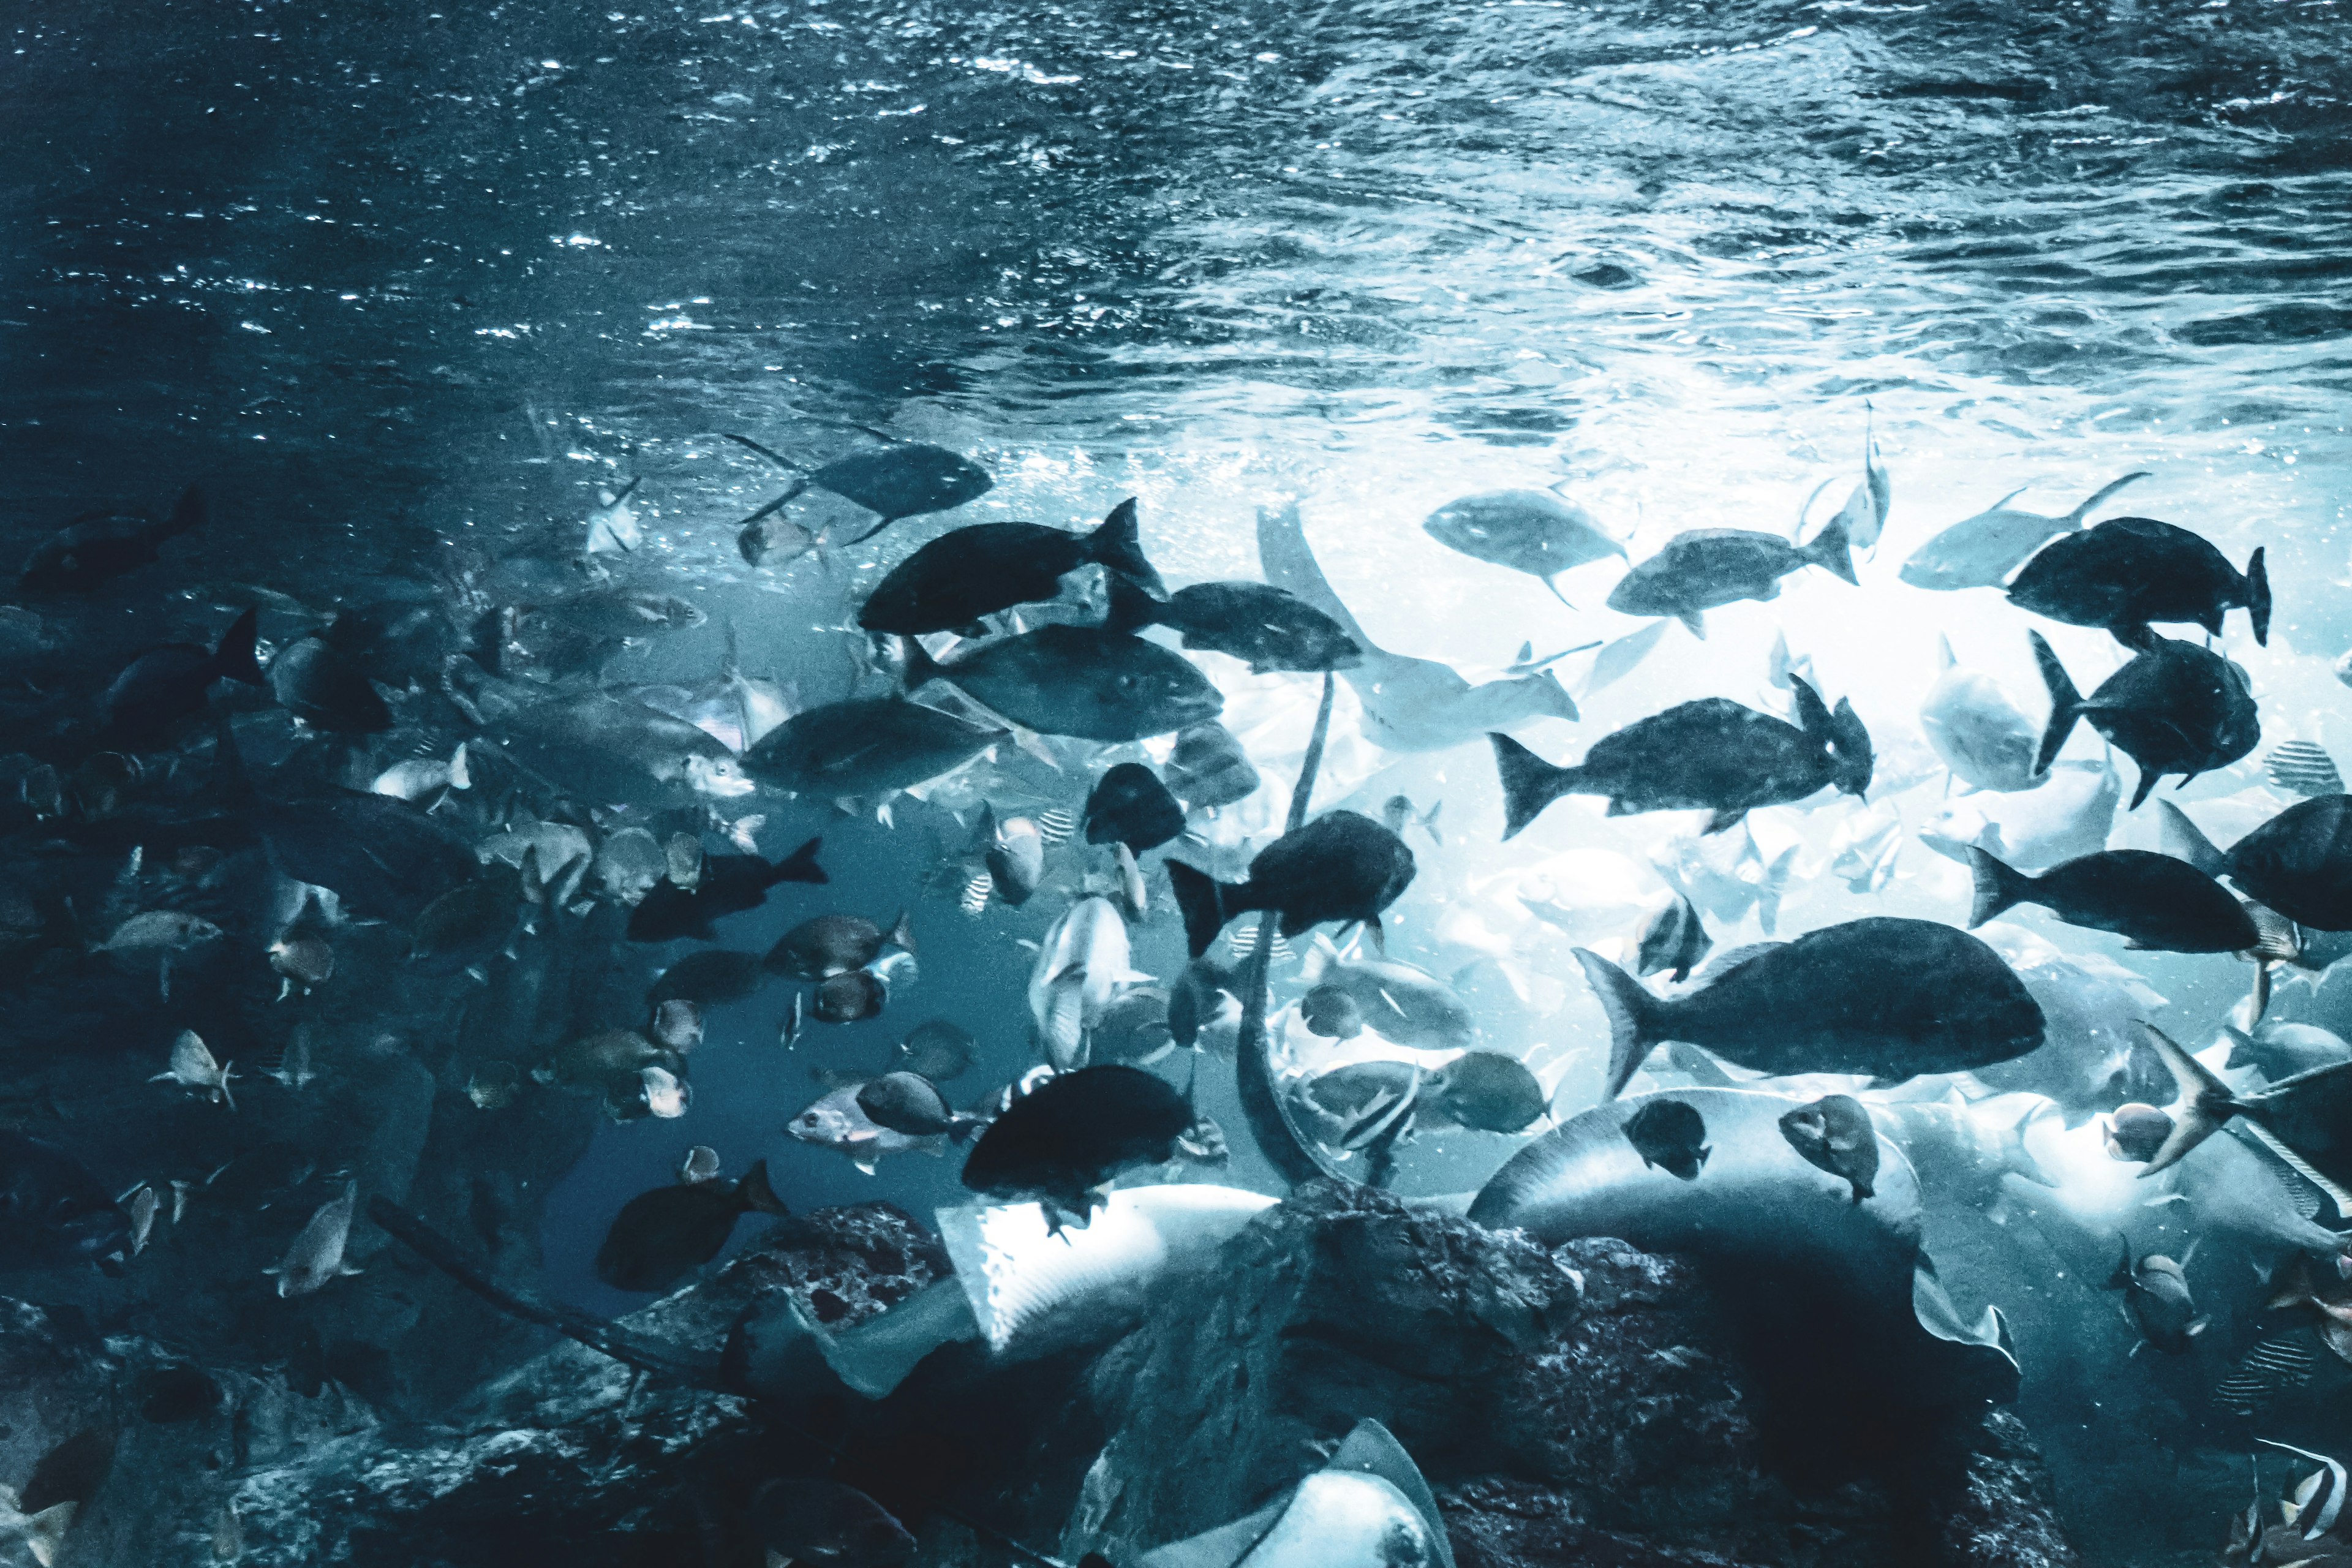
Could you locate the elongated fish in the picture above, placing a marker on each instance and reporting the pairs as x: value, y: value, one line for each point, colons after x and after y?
x: 1981, y: 551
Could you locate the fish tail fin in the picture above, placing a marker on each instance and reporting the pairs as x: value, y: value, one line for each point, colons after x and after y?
x: 2258, y: 595
x: 1999, y: 886
x: 1633, y: 1017
x: 1133, y: 606
x: 915, y: 663
x: 228, y: 785
x: 2073, y: 520
x: 1832, y: 549
x: 801, y: 865
x: 1429, y: 823
x: 901, y: 934
x: 2122, y: 1277
x: 1529, y: 783
x: 2184, y: 840
x: 188, y: 513
x: 2205, y: 1101
x: 758, y: 1191
x: 1200, y: 899
x: 2066, y: 703
x: 1118, y: 546
x: 2242, y: 1048
x: 233, y: 657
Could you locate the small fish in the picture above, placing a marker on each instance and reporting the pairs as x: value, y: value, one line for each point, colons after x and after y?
x: 2280, y: 1051
x: 906, y: 479
x: 1399, y: 814
x: 294, y: 1069
x: 838, y: 1122
x: 1534, y: 532
x: 326, y: 688
x: 662, y: 1093
x: 850, y: 998
x: 2152, y: 900
x: 1705, y: 568
x: 805, y: 1519
x: 141, y: 1205
x: 699, y: 888
x: 1868, y: 847
x: 1015, y: 854
x: 1670, y: 1134
x: 613, y: 527
x: 865, y: 748
x: 2134, y: 1133
x: 2291, y: 1289
x: 1122, y: 882
x: 1074, y: 1132
x: 1485, y: 1091
x: 193, y: 1067
x: 1264, y: 626
x: 1673, y: 938
x: 1401, y: 1002
x: 937, y: 1050
x: 1620, y: 659
x: 1835, y: 1133
x: 1712, y: 754
x: 1341, y: 866
x: 1133, y: 1030
x: 2271, y: 1368
x: 2319, y: 1497
x: 2304, y: 768
x: 1978, y: 728
x: 954, y: 580
x: 167, y: 685
x: 316, y: 1256
x: 2155, y: 1291
x: 711, y: 978
x: 302, y: 958
x: 2130, y: 570
x: 98, y: 546
x: 661, y: 1235
x: 1981, y: 551
x: 493, y: 1085
x: 677, y: 1024
x: 2174, y: 708
x: 1209, y: 768
x: 1129, y: 805
x: 827, y: 946
x: 1329, y: 1011
x: 909, y: 1103
x: 796, y: 1019
x: 426, y: 778
x: 701, y: 1164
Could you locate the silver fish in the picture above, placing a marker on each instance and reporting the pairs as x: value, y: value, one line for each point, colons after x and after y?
x: 193, y: 1067
x: 316, y: 1256
x: 838, y: 1122
x: 1979, y: 730
x: 1981, y: 551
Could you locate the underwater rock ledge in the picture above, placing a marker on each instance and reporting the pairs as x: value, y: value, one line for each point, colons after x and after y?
x: 1590, y: 1404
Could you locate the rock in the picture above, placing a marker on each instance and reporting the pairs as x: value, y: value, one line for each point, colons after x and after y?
x: 1592, y: 1405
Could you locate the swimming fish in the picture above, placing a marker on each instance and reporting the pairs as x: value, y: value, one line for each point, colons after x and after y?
x: 1208, y: 768
x: 1978, y: 728
x: 2304, y: 768
x: 663, y: 1234
x: 826, y: 945
x: 99, y: 546
x: 1328, y: 1011
x: 613, y: 527
x: 1534, y: 532
x: 1835, y: 1132
x: 1398, y: 813
x: 838, y: 1122
x: 2130, y: 570
x: 2156, y: 1290
x: 676, y: 1025
x: 1342, y: 866
x: 193, y: 1067
x: 1674, y: 939
x: 2070, y: 814
x: 2134, y: 1133
x: 909, y: 1103
x: 1082, y: 964
x: 316, y: 1256
x: 1073, y: 1132
x: 1712, y: 754
x: 1265, y: 626
x: 1402, y: 1002
x: 937, y: 1050
x: 849, y: 998
x: 954, y: 580
x: 1670, y: 1134
x: 2280, y: 1051
x: 2319, y: 1498
x: 1981, y: 551
x: 1129, y: 805
x: 908, y: 479
x: 1883, y: 995
x: 700, y: 1164
x: 1087, y: 682
x: 167, y: 685
x: 723, y: 885
x: 2298, y: 863
x: 2306, y: 1118
x: 2174, y: 708
x: 1705, y: 568
x: 2151, y: 900
x: 866, y: 748
x: 710, y: 978
x: 1486, y: 1091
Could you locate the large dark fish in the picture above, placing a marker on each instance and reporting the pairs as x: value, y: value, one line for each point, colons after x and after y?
x: 326, y: 688
x: 1711, y: 566
x: 97, y: 546
x: 729, y: 885
x: 2175, y: 708
x: 1090, y: 683
x: 866, y: 747
x: 2130, y: 570
x: 1712, y: 754
x: 1891, y: 997
x: 1342, y: 866
x: 52, y: 1210
x: 1074, y: 1132
x: 2300, y: 863
x: 1266, y: 627
x: 661, y: 1237
x: 383, y: 857
x: 166, y: 685
x: 951, y: 582
x: 907, y: 479
x: 2152, y: 900
x: 1129, y: 805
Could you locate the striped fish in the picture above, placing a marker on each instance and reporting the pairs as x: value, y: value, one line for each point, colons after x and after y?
x: 1056, y: 827
x: 977, y: 886
x: 2271, y: 1368
x: 2303, y: 768
x: 1242, y: 940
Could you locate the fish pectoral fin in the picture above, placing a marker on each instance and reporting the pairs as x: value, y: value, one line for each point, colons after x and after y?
x: 865, y: 1163
x: 349, y: 1270
x: 1696, y: 622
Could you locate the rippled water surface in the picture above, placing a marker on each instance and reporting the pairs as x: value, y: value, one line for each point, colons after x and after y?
x: 404, y: 288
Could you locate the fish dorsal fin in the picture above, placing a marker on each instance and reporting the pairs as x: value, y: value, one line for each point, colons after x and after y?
x: 1945, y: 657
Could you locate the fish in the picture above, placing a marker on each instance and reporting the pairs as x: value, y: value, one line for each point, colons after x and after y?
x: 99, y: 546
x: 2156, y: 1292
x: 2152, y: 900
x: 1534, y: 532
x: 1865, y: 510
x: 2319, y: 1498
x: 2134, y: 1133
x: 1670, y: 1134
x: 621, y: 614
x: 710, y: 978
x: 2291, y: 1289
x: 1673, y: 938
x: 937, y: 1050
x: 1075, y: 1131
x: 1129, y: 805
x: 627, y: 864
x: 1015, y: 854
x: 1133, y: 1030
x: 608, y: 749
x: 676, y: 1025
x: 599, y: 1060
x: 659, y: 1093
x: 1621, y: 657
x: 316, y: 1256
x: 140, y: 1205
x: 911, y: 1104
x: 2280, y: 1051
x: 2307, y: 1119
x: 663, y: 1234
x: 906, y: 479
x: 1712, y: 754
x: 2298, y: 863
x: 1264, y: 626
x: 303, y: 959
x: 838, y: 1122
x: 613, y: 527
x: 1868, y: 848
x: 1726, y: 876
x: 2304, y: 768
x: 1208, y: 768
x: 806, y: 1519
x: 866, y: 748
x: 1709, y: 567
x: 1981, y: 551
x: 1331, y: 1012
x: 1398, y: 813
x: 1087, y: 681
x: 724, y: 885
x: 1342, y: 866
x: 1409, y: 704
x: 166, y: 685
x: 2069, y: 815
x: 160, y: 935
x: 1884, y: 995
x: 2128, y: 572
x: 193, y: 1067
x: 2174, y: 708
x: 1977, y: 728
x: 826, y: 945
x: 493, y: 1085
x: 1835, y: 1132
x: 1401, y: 1001
x: 849, y: 998
x: 796, y: 1019
x: 701, y: 1164
x: 2272, y: 1367
x: 953, y: 581
x: 1486, y: 1091
x: 1960, y: 1149
x: 1082, y: 964
x: 326, y: 688
x: 426, y: 778
x: 53, y: 1210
